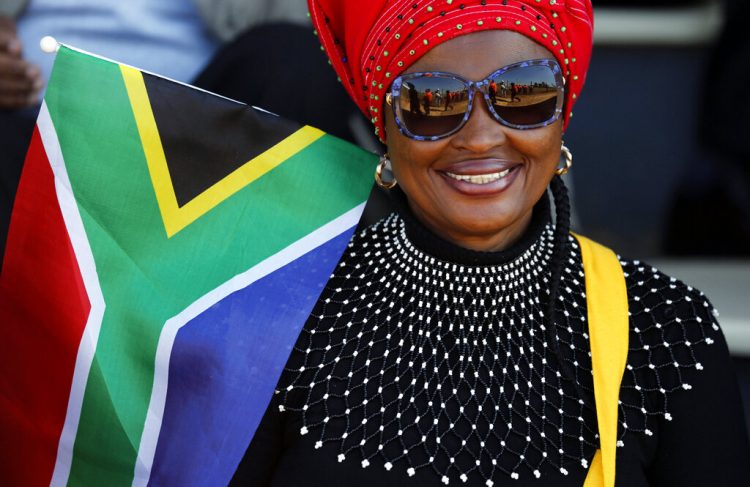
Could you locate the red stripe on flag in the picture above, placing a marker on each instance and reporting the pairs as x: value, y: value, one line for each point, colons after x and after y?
x: 43, y: 311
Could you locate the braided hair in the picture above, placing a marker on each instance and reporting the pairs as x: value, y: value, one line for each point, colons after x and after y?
x: 557, y: 264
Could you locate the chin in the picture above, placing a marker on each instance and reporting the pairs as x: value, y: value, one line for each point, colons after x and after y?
x: 484, y: 222
x: 478, y: 226
x: 495, y: 215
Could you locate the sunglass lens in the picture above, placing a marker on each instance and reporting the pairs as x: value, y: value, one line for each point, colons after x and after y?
x: 524, y: 95
x: 432, y: 105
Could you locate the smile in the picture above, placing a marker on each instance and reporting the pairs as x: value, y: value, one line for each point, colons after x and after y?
x: 479, y: 178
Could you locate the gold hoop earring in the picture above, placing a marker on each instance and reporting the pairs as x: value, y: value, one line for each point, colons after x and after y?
x: 568, y: 159
x: 383, y: 165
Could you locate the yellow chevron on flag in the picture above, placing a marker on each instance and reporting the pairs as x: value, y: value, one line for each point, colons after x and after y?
x: 178, y: 217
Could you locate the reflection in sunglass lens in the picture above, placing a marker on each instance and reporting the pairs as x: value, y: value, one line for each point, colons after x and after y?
x: 432, y: 105
x: 524, y: 95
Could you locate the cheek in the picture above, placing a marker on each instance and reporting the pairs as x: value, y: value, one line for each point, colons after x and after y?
x: 410, y: 158
x: 543, y: 147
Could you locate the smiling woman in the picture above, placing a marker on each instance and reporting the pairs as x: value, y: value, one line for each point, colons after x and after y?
x: 477, y: 187
x: 468, y: 338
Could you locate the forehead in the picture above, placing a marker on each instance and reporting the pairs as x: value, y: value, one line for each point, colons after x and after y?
x: 476, y: 55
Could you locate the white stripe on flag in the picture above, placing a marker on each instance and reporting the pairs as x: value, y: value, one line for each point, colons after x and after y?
x: 87, y: 267
x: 150, y: 437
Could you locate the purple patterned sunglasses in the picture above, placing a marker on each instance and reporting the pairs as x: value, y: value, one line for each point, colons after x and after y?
x: 434, y: 105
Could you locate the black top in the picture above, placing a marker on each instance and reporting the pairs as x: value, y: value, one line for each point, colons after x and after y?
x: 398, y: 379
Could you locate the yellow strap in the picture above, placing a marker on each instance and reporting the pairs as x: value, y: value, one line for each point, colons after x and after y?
x: 607, y: 302
x: 595, y: 477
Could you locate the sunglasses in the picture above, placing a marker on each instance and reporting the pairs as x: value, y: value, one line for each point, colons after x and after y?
x: 434, y: 105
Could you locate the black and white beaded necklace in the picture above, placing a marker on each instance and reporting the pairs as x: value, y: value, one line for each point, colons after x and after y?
x: 426, y: 363
x: 413, y: 362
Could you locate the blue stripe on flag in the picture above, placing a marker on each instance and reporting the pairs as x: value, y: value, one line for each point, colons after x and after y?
x: 224, y: 368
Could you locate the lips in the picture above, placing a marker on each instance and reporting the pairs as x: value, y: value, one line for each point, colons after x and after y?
x: 481, y: 177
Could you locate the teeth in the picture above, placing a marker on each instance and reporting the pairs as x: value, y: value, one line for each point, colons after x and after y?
x: 480, y: 178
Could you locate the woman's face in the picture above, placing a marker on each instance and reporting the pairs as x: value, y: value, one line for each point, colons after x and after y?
x: 475, y: 213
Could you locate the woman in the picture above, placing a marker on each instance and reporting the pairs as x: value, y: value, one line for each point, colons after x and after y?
x: 455, y: 341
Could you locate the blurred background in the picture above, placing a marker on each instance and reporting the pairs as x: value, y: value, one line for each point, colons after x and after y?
x: 660, y: 136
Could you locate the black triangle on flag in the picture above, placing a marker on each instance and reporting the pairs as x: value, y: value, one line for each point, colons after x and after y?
x: 206, y: 137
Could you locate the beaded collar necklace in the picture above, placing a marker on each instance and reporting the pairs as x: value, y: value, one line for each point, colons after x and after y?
x: 440, y: 361
x: 418, y: 362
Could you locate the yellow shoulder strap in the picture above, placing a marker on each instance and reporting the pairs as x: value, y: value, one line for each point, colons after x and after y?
x: 607, y: 303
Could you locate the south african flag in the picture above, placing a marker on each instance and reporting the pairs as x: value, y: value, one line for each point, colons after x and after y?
x: 166, y: 247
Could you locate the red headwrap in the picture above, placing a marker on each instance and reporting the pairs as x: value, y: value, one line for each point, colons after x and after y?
x: 371, y: 42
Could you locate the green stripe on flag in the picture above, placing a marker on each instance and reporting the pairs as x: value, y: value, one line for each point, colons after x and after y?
x: 147, y: 278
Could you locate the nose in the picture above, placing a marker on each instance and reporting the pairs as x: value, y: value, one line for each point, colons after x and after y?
x: 481, y: 132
